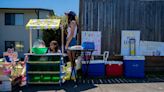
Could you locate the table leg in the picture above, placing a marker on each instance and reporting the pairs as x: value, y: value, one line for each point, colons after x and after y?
x: 71, y: 65
x: 87, y: 63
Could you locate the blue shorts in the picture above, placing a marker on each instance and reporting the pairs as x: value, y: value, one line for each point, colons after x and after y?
x: 73, y: 42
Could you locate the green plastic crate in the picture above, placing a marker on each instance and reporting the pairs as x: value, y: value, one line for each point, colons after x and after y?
x: 54, y: 58
x: 34, y: 58
x: 55, y: 67
x: 55, y: 78
x: 34, y: 78
x: 46, y: 78
x: 38, y: 58
x: 35, y: 67
x: 44, y: 67
x: 44, y: 58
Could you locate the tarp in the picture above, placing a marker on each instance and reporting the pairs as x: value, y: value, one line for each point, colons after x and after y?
x: 43, y: 24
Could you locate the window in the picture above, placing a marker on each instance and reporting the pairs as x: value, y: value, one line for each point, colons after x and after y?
x: 9, y: 19
x: 13, y: 19
x: 17, y: 45
x: 18, y: 19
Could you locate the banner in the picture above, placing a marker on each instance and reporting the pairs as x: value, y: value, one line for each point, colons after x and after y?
x: 152, y: 48
x: 125, y: 41
x: 43, y: 24
x: 93, y: 36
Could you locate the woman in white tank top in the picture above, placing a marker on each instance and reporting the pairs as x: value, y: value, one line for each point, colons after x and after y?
x: 72, y: 32
x: 69, y: 32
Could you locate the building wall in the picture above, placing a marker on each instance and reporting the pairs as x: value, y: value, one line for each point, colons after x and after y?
x: 112, y: 16
x: 18, y: 33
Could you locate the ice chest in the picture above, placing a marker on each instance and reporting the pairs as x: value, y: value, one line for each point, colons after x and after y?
x: 88, y: 45
x: 134, y: 66
x: 96, y: 68
x: 114, y: 69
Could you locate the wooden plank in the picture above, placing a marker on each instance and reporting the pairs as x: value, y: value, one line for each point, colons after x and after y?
x: 154, y: 58
x: 117, y: 58
x: 154, y: 69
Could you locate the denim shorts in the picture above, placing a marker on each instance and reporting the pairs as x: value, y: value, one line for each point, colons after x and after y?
x: 73, y: 42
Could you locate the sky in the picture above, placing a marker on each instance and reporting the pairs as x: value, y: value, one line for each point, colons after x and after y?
x: 59, y: 6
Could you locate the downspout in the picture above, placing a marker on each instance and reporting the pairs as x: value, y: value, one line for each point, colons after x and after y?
x: 80, y: 21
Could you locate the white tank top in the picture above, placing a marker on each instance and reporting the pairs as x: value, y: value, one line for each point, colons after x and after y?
x: 69, y: 32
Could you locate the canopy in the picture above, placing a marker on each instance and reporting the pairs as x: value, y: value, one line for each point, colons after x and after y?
x: 43, y: 24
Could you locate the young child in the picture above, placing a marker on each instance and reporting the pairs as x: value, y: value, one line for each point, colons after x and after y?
x: 10, y: 55
x: 54, y: 48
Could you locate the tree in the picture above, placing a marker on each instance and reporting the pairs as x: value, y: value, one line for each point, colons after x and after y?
x: 54, y: 34
x: 49, y: 35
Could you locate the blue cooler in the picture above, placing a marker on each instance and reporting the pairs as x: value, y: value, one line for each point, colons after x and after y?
x: 88, y: 45
x: 96, y: 68
x: 134, y: 66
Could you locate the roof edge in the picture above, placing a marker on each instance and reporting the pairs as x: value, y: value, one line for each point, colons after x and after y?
x: 30, y: 9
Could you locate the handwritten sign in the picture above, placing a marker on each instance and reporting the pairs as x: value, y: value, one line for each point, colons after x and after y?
x: 125, y: 37
x: 43, y: 24
x: 93, y: 36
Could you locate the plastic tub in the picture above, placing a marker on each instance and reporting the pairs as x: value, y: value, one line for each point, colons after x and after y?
x: 39, y: 50
x: 55, y: 78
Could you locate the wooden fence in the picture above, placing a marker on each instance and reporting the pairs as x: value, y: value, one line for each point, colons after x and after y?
x: 112, y: 16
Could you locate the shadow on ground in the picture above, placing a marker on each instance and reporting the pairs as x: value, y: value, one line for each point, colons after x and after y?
x: 67, y: 87
x: 90, y: 83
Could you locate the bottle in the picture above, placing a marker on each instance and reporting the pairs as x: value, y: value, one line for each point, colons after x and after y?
x: 132, y: 46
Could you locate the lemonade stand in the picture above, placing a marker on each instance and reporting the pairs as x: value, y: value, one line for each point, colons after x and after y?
x: 44, y: 68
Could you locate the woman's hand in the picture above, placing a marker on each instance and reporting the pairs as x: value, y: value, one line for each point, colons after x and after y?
x: 66, y: 46
x: 61, y: 27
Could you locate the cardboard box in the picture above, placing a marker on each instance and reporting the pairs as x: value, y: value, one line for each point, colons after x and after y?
x: 17, y: 71
x: 6, y: 86
x: 4, y: 78
x: 1, y: 68
x: 1, y: 71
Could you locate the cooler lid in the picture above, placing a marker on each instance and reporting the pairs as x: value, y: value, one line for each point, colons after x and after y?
x: 94, y: 62
x: 134, y: 57
x: 114, y: 62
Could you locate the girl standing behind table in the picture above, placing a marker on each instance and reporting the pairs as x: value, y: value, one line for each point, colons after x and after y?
x: 72, y: 33
x: 54, y: 48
